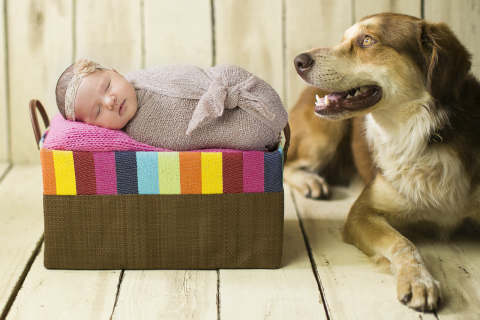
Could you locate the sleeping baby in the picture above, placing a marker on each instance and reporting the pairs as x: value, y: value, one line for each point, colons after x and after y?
x: 176, y: 107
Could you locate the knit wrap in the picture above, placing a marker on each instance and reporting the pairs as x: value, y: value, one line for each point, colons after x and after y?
x: 183, y: 107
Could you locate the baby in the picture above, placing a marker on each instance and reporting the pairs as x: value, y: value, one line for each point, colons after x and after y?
x: 104, y: 98
x: 176, y: 107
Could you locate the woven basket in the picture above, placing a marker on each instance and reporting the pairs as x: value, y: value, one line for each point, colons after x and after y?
x: 161, y: 210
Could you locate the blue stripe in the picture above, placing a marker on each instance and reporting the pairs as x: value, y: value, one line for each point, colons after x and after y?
x: 126, y: 164
x: 147, y: 169
x: 272, y: 162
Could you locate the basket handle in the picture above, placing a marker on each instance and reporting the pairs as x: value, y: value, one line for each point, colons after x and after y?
x: 287, y: 133
x: 32, y: 106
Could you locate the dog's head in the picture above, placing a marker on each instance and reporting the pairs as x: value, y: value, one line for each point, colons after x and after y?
x: 385, y: 61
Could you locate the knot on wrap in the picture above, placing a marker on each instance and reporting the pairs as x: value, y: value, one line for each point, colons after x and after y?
x: 219, y: 96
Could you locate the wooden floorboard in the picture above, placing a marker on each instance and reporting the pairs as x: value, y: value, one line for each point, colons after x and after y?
x: 355, y: 288
x: 167, y: 294
x: 21, y: 227
x: 456, y: 264
x: 290, y: 292
x: 4, y: 166
x: 65, y: 294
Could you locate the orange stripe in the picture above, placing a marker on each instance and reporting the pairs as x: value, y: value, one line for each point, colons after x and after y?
x: 190, y: 172
x: 48, y: 172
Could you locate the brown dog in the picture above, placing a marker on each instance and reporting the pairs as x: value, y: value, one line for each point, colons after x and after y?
x: 415, y: 138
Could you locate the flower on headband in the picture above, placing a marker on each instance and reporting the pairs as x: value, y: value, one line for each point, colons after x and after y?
x: 85, y: 66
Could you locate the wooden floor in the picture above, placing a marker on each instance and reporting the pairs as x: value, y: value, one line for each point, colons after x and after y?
x: 320, y: 278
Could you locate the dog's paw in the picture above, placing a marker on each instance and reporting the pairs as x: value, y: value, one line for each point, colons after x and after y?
x: 311, y: 185
x: 314, y: 186
x: 418, y: 289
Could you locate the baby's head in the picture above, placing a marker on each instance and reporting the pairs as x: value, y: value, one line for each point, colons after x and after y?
x: 95, y: 95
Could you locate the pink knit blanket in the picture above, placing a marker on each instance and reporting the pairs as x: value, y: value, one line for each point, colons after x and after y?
x: 79, y: 136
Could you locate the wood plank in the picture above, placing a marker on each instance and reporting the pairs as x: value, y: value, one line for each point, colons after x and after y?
x: 464, y: 19
x: 4, y: 152
x: 65, y: 294
x: 39, y: 50
x: 456, y: 264
x: 290, y: 292
x: 109, y: 32
x: 354, y: 288
x: 365, y: 8
x: 3, y: 169
x: 167, y: 294
x: 249, y: 34
x: 178, y: 32
x: 21, y: 225
x: 311, y: 24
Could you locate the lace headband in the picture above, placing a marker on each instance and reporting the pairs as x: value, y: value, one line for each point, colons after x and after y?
x: 83, y: 67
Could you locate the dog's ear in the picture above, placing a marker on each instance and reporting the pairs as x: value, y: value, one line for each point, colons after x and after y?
x: 447, y: 60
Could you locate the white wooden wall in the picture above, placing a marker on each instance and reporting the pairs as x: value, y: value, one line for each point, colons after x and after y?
x: 40, y: 38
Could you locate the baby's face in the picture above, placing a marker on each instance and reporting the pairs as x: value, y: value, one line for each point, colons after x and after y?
x: 105, y: 99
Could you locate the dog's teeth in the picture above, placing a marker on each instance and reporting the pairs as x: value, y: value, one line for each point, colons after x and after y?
x: 363, y: 89
x: 318, y: 99
x: 348, y: 96
x: 327, y: 102
x: 357, y: 92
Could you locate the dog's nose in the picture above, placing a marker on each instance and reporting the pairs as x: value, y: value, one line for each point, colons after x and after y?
x: 303, y: 62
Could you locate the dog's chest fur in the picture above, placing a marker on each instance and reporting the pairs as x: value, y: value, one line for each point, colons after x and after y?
x: 429, y: 178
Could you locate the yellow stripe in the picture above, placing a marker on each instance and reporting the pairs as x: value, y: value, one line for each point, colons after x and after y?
x: 212, y: 179
x: 64, y: 172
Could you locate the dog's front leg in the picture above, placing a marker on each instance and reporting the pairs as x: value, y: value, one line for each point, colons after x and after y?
x: 367, y: 227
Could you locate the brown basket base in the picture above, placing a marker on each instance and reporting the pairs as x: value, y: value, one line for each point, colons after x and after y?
x: 217, y: 231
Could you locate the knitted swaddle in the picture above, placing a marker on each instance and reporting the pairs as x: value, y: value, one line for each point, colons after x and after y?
x: 183, y: 107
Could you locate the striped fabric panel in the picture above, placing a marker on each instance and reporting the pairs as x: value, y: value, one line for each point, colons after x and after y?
x: 105, y: 172
x: 233, y: 172
x: 147, y: 171
x: 64, y: 172
x: 212, y: 181
x: 48, y: 172
x: 253, y: 174
x: 169, y: 172
x: 190, y: 172
x: 85, y: 173
x: 126, y: 172
x: 126, y: 164
x: 273, y: 169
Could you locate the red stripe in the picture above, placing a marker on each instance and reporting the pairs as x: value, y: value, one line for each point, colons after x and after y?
x: 232, y: 172
x: 85, y: 173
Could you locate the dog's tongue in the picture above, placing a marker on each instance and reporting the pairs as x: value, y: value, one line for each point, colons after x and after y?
x: 337, y: 95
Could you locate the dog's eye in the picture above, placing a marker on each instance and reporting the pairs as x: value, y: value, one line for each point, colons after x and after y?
x: 367, y: 41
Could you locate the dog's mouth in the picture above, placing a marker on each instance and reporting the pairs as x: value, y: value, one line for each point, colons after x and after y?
x: 353, y: 99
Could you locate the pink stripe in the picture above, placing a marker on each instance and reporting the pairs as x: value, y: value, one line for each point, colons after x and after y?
x: 105, y: 172
x: 253, y: 172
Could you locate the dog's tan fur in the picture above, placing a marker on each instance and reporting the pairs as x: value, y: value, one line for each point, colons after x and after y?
x: 411, y: 179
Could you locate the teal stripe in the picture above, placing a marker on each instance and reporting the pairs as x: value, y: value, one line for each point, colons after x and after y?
x: 281, y: 153
x: 147, y: 170
x: 169, y: 172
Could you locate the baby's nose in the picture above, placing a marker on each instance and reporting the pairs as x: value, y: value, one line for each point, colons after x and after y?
x: 110, y: 102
